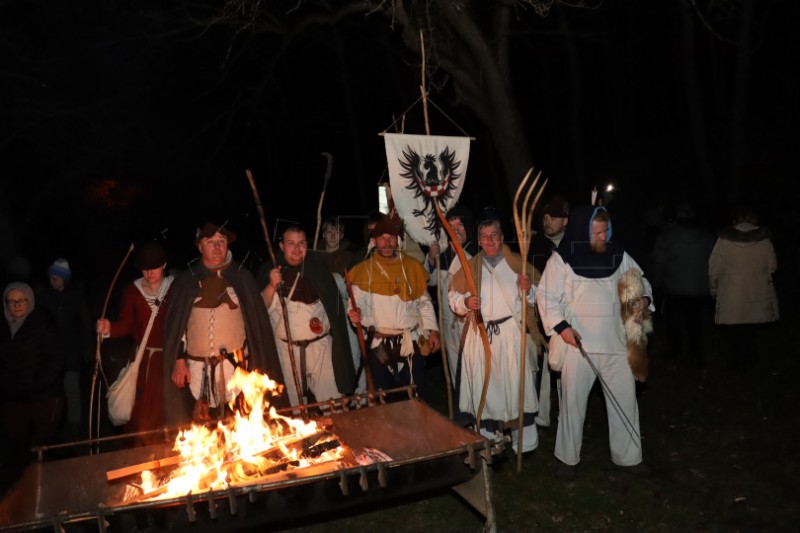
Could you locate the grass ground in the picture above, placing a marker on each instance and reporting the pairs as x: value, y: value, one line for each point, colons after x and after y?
x: 721, y: 446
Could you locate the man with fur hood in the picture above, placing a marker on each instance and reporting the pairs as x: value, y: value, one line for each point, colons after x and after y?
x: 579, y: 305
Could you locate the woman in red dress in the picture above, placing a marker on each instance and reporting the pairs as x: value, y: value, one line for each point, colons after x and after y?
x: 146, y: 295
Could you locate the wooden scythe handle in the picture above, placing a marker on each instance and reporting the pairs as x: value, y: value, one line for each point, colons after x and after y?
x: 523, y: 226
x: 360, y: 334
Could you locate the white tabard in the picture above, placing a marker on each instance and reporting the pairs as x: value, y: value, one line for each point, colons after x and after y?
x: 319, y: 366
x: 499, y: 299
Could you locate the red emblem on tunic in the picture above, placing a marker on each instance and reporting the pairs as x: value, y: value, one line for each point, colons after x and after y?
x: 316, y: 325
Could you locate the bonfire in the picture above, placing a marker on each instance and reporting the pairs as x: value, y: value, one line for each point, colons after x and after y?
x: 253, y: 446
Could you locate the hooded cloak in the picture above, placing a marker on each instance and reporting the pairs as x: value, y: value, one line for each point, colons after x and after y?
x: 576, y: 251
x: 30, y: 357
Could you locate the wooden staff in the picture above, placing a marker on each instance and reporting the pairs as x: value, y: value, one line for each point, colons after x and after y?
x: 522, y: 221
x: 442, y: 341
x: 360, y: 334
x: 325, y: 181
x: 290, y: 346
x: 98, y: 364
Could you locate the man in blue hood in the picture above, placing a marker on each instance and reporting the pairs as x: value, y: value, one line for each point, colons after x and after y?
x: 579, y: 305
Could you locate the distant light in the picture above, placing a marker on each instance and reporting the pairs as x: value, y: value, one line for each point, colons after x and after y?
x: 609, y: 188
x: 383, y: 199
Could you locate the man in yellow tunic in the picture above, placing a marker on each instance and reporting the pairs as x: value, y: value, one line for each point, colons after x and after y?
x: 393, y: 305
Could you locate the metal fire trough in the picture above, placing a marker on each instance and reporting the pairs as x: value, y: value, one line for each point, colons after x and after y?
x: 427, y: 452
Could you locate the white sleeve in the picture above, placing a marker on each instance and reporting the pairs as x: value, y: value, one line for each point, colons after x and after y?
x: 427, y: 313
x: 550, y: 294
x: 531, y: 296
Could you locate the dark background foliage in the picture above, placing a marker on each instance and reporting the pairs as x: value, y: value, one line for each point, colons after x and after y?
x: 124, y: 121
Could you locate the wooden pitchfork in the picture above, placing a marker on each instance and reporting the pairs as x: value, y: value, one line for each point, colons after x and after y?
x: 523, y: 217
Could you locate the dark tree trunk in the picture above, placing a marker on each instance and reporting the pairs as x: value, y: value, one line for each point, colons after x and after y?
x: 693, y: 97
x: 739, y: 108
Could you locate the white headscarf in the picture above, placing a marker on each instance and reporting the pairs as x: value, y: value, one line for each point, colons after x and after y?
x: 13, y: 322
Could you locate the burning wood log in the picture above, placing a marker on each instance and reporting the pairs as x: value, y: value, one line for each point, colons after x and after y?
x: 119, y: 473
x: 244, y: 472
x: 290, y: 441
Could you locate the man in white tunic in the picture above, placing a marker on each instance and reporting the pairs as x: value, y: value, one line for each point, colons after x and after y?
x: 555, y: 216
x: 497, y: 271
x: 579, y: 303
x: 303, y: 285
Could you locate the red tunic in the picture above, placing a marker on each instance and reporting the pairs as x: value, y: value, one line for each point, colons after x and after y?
x: 148, y: 408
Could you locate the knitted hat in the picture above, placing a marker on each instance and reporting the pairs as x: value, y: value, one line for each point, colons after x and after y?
x: 60, y: 269
x: 387, y: 225
x: 151, y: 255
x: 557, y: 206
x: 210, y: 228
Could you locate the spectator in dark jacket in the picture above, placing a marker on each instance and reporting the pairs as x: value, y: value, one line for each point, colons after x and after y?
x: 31, y: 397
x: 680, y: 259
x: 66, y: 306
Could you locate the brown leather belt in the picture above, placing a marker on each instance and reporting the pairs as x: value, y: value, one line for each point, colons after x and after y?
x: 305, y: 343
x: 303, y: 368
x: 211, y: 359
x: 379, y: 335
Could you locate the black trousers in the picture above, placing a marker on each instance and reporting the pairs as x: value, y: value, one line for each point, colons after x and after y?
x: 684, y: 317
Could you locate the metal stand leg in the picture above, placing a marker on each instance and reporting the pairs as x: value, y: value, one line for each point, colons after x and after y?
x: 478, y: 492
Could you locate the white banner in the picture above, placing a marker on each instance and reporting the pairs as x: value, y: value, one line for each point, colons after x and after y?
x: 424, y: 169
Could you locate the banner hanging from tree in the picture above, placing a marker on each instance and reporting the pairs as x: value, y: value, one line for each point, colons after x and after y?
x: 424, y: 169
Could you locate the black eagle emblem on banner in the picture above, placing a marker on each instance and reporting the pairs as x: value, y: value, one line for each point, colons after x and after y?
x: 433, y: 178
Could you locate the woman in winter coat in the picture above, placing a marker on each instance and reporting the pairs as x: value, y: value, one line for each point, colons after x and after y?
x: 31, y: 392
x: 740, y: 277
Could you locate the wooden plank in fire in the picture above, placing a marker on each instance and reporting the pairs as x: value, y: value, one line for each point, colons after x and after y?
x: 289, y: 441
x: 280, y: 471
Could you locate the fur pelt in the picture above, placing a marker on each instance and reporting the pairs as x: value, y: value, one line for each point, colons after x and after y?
x: 637, y: 320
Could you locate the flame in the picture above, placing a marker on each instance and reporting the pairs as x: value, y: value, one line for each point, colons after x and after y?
x: 241, y: 449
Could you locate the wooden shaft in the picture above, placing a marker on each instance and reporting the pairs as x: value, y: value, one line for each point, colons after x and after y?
x: 281, y: 299
x: 523, y: 220
x: 360, y: 334
x: 443, y: 344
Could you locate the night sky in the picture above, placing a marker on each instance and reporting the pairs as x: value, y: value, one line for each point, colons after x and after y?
x: 124, y: 121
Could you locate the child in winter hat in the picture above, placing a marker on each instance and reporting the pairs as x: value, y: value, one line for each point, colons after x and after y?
x: 60, y: 269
